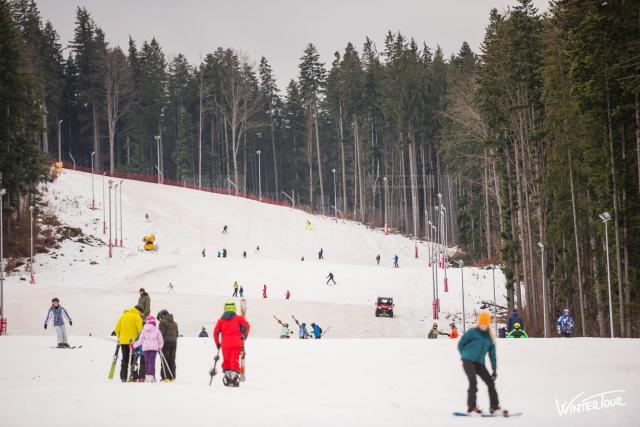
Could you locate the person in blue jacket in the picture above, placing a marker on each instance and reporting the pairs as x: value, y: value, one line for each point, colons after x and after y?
x: 56, y: 316
x: 565, y: 324
x: 514, y: 318
x: 317, y: 331
x: 473, y: 347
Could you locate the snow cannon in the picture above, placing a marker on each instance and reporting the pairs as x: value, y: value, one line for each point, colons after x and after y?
x: 149, y: 242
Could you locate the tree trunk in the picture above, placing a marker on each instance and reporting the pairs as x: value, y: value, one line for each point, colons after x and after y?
x: 344, y: 167
x: 319, y: 160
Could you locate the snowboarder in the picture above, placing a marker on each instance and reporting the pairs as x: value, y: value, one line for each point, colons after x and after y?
x: 56, y: 315
x: 517, y: 332
x: 204, y: 253
x: 317, y: 331
x: 330, y: 279
x: 151, y: 341
x: 473, y: 347
x: 302, y: 329
x: 321, y: 254
x: 241, y: 292
x: 378, y: 259
x: 170, y: 333
x: 127, y: 329
x: 565, y: 324
x: 234, y: 330
x: 433, y: 333
x: 264, y: 291
x: 514, y: 317
x: 285, y: 332
x: 144, y: 301
x: 235, y: 289
x: 224, y: 230
x: 395, y: 261
x: 203, y: 333
x: 287, y: 295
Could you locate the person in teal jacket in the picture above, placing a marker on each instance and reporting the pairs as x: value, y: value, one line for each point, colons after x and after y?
x: 473, y: 347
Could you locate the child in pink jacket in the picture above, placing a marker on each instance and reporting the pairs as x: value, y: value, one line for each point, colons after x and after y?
x: 151, y: 341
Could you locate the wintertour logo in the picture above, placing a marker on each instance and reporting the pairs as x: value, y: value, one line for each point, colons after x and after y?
x: 595, y: 402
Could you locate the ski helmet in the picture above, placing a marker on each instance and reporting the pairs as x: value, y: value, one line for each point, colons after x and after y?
x: 230, y: 306
x: 516, y: 325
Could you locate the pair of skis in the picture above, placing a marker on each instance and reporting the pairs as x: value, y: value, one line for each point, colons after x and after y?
x: 505, y: 414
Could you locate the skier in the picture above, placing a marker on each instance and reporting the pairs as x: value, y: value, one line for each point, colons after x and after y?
x: 241, y: 292
x: 302, y: 259
x: 378, y: 259
x: 565, y: 324
x: 170, y: 333
x: 517, y: 332
x: 308, y: 225
x: 302, y: 329
x: 433, y: 333
x: 258, y: 248
x: 219, y: 254
x: 395, y: 261
x: 287, y: 295
x: 170, y: 288
x: 317, y: 331
x: 285, y: 332
x: 204, y: 253
x: 151, y: 341
x: 264, y: 291
x: 473, y: 347
x: 224, y: 230
x: 203, y: 333
x: 331, y: 279
x: 514, y: 317
x: 145, y: 302
x: 235, y: 289
x: 127, y: 329
x: 55, y: 316
x: 244, y: 254
x: 321, y: 254
x: 234, y: 330
x: 454, y: 331
x: 224, y: 253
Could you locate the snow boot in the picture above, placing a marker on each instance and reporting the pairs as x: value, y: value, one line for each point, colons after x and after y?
x: 61, y: 345
x: 494, y: 409
x: 474, y: 410
x: 66, y: 345
x: 231, y: 379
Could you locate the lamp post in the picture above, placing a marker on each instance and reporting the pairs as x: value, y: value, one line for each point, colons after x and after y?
x: 157, y: 138
x: 104, y: 213
x: 2, y: 193
x: 433, y: 286
x: 115, y: 213
x: 605, y: 217
x: 495, y: 307
x: 386, y: 229
x: 59, y: 142
x: 444, y: 254
x: 110, y: 185
x: 335, y: 193
x: 544, y: 289
x: 437, y: 300
x: 430, y: 238
x: 259, y: 177
x: 464, y: 314
x: 121, y: 221
x: 31, y: 245
x: 73, y: 160
x: 93, y: 192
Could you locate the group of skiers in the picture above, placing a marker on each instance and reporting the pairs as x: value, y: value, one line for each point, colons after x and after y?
x: 303, y: 333
x: 434, y: 332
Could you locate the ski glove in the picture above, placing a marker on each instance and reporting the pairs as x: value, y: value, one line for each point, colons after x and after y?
x: 45, y: 326
x: 218, y: 346
x: 494, y: 375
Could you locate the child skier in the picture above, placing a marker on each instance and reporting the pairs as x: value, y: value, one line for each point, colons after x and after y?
x: 234, y: 330
x: 152, y: 342
x: 473, y: 347
x: 565, y: 324
x: 56, y: 315
x: 433, y: 333
x: 454, y: 331
x: 517, y: 332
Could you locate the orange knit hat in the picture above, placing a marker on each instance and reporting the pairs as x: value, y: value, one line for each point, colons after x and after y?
x: 484, y: 318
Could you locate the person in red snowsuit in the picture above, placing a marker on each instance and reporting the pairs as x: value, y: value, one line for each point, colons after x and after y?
x: 264, y: 291
x: 234, y: 329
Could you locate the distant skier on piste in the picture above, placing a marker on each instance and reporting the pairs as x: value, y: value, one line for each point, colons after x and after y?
x: 56, y: 315
x: 473, y: 347
x: 331, y: 279
x: 285, y: 332
x: 235, y: 289
x: 287, y: 295
x: 241, y: 292
x: 317, y: 331
x: 144, y: 301
x: 396, y: 258
x: 565, y: 324
x: 321, y: 254
x: 224, y: 230
x: 264, y: 291
x: 229, y: 334
x: 378, y: 259
x: 203, y: 333
x: 302, y: 329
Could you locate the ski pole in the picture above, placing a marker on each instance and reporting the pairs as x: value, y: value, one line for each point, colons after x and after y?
x: 166, y: 364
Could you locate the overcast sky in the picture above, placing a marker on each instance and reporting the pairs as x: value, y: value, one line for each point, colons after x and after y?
x: 278, y: 29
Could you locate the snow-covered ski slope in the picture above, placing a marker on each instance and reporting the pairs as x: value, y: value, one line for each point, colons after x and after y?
x: 186, y: 221
x: 347, y: 382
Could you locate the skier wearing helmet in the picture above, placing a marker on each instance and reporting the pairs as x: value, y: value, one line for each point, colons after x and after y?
x: 565, y: 324
x: 233, y: 329
x: 473, y: 347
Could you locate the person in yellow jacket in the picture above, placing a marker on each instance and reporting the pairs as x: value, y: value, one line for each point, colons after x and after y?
x: 127, y: 330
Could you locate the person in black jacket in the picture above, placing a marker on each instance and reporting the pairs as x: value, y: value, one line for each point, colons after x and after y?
x: 514, y: 318
x: 169, y: 330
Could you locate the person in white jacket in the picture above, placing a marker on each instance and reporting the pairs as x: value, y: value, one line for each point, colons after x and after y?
x: 56, y: 315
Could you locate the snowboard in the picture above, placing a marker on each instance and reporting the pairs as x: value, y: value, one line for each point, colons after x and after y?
x: 114, y: 362
x: 488, y: 415
x: 243, y: 354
